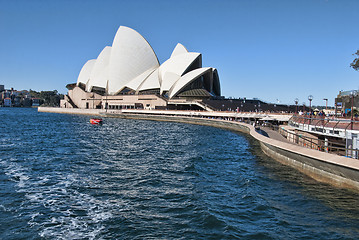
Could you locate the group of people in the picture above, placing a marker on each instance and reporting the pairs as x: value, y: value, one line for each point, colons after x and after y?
x: 320, y: 113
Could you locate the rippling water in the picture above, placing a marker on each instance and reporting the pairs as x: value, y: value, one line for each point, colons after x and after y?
x: 62, y: 178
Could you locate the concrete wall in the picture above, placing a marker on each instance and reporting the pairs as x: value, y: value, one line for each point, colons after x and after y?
x: 84, y: 99
x: 340, y: 176
x: 147, y: 101
x: 92, y: 112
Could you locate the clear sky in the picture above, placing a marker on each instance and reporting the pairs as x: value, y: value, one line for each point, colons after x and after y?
x: 271, y: 50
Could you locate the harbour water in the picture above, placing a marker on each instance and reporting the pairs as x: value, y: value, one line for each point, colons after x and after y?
x: 62, y: 178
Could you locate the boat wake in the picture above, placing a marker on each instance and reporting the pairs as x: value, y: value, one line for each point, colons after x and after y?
x: 55, y: 207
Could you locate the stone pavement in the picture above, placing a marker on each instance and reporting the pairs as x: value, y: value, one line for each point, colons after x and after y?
x: 274, y: 134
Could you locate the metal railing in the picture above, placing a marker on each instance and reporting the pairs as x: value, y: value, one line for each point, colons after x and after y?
x: 319, y: 144
x: 322, y: 122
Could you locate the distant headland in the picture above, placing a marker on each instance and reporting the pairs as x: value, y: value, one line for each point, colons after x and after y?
x: 29, y: 98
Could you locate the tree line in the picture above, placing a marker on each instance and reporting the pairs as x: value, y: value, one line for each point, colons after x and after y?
x: 48, y: 98
x: 355, y: 63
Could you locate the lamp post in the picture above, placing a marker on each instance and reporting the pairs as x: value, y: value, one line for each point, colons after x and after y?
x: 352, y: 94
x: 310, y: 98
x: 326, y: 103
x: 106, y: 92
x: 296, y: 105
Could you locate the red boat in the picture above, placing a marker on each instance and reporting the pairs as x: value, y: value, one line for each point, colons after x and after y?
x: 96, y: 121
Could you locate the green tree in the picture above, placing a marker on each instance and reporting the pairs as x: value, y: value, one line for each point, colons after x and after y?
x: 34, y: 94
x: 48, y: 98
x: 355, y: 63
x: 51, y: 98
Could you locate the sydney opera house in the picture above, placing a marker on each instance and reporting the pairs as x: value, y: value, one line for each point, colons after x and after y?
x: 129, y: 75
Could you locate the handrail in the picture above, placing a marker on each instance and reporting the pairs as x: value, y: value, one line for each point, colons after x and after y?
x: 323, y: 117
x: 319, y: 120
x: 320, y: 145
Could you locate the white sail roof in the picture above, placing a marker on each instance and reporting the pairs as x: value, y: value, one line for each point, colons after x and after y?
x: 170, y: 79
x: 187, y: 79
x: 177, y: 64
x: 131, y: 55
x: 179, y: 49
x: 152, y: 82
x: 132, y: 63
x: 216, y: 83
x: 99, y: 73
x: 137, y: 81
x: 85, y: 72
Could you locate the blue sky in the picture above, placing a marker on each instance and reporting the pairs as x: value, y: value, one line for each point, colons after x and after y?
x: 271, y: 50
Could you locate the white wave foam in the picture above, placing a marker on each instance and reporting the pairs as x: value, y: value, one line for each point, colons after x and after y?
x: 57, y: 208
x: 16, y: 173
x: 3, y: 208
x: 73, y: 214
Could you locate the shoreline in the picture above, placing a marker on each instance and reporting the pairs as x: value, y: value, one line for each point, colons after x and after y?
x: 336, y: 170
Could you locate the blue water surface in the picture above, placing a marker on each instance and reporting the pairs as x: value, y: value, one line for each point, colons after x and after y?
x: 63, y: 178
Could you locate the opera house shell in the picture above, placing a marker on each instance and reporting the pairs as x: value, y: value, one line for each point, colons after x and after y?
x: 129, y: 69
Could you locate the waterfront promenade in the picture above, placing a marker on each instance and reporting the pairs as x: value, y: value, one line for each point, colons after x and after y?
x: 325, y: 167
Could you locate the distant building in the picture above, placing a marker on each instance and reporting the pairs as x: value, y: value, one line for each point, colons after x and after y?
x: 251, y: 105
x: 7, y: 102
x: 128, y: 75
x: 5, y: 94
x: 17, y: 101
x: 36, y: 102
x: 14, y: 98
x: 15, y: 93
x: 345, y: 100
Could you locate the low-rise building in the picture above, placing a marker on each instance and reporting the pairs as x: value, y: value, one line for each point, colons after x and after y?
x: 36, y: 102
x: 345, y: 100
x: 7, y: 102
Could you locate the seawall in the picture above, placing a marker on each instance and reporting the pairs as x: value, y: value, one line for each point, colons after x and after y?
x: 324, y: 167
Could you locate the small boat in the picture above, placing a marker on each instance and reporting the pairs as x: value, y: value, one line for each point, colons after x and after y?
x: 96, y: 121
